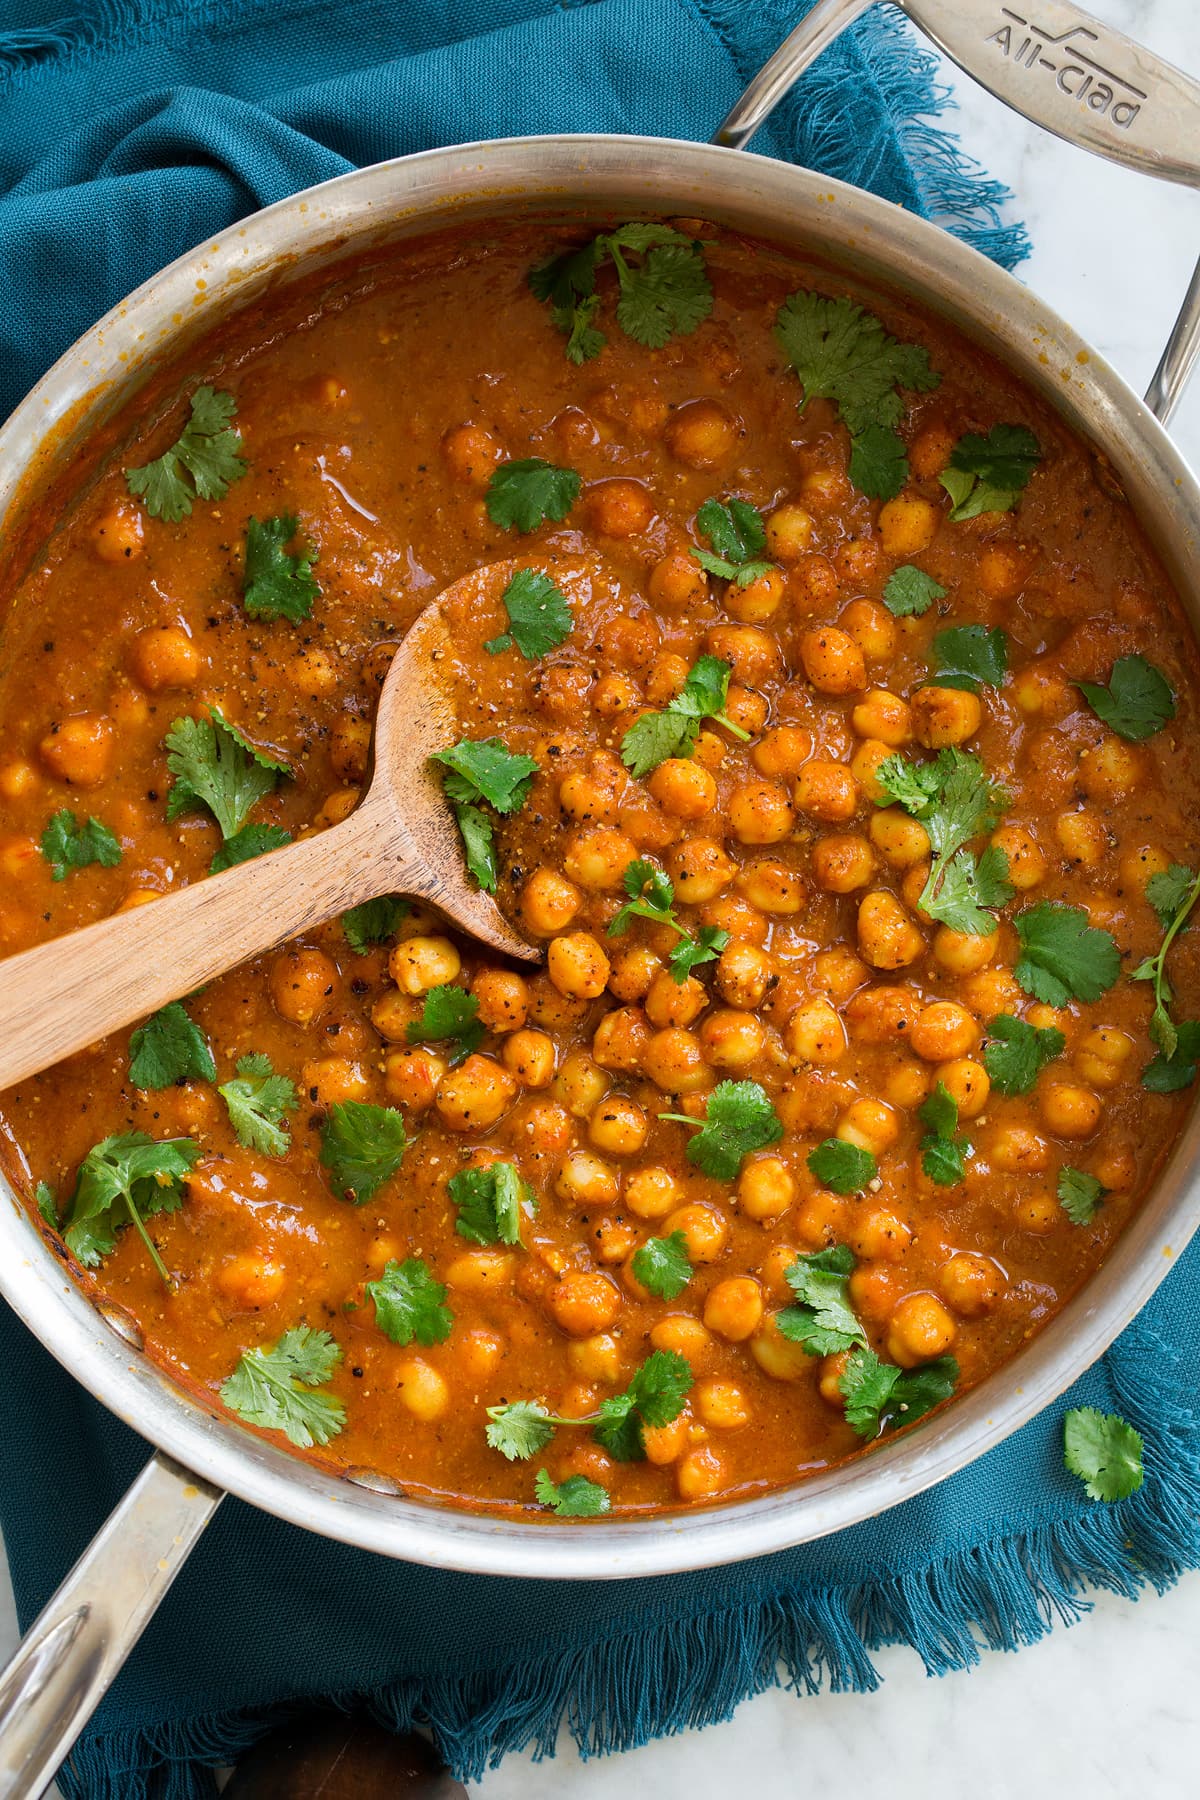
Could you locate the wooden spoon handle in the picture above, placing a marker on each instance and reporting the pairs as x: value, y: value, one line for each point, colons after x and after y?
x: 70, y: 992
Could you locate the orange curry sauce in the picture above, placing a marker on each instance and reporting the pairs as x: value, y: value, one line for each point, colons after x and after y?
x: 375, y: 404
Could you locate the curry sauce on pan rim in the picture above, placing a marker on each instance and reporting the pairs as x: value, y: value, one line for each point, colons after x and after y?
x: 832, y: 737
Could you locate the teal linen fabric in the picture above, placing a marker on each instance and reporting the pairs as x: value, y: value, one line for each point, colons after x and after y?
x: 128, y: 131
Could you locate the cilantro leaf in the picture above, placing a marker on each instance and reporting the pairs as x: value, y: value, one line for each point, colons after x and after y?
x: 1105, y: 1451
x: 169, y: 1047
x: 251, y: 841
x: 66, y: 844
x: 1062, y: 956
x: 942, y: 1151
x: 663, y: 1266
x: 208, y: 449
x: 880, y: 1396
x: 574, y: 1498
x: 842, y: 1167
x: 739, y: 1119
x: 519, y: 1429
x: 362, y: 1146
x: 822, y: 1321
x: 955, y: 801
x: 479, y: 846
x: 843, y: 353
x: 449, y: 1015
x: 278, y: 1388
x: 1179, y: 885
x: 1079, y: 1194
x: 1168, y: 890
x: 1137, y: 702
x: 215, y: 766
x: 1168, y: 1073
x: 652, y: 896
x: 989, y: 474
x: 123, y: 1181
x: 656, y: 736
x: 1018, y: 1052
x: 966, y: 656
x: 665, y: 292
x: 910, y: 592
x: 738, y: 537
x: 539, y: 616
x: 374, y: 922
x: 409, y: 1303
x: 278, y: 585
x: 567, y: 282
x: 257, y: 1100
x: 482, y: 769
x: 654, y: 1397
x: 523, y: 495
x: 490, y: 1203
x: 46, y: 1201
x: 690, y: 952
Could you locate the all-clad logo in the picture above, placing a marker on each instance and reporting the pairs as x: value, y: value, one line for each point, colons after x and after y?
x: 1069, y: 58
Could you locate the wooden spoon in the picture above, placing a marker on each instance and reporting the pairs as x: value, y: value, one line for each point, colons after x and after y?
x: 401, y: 839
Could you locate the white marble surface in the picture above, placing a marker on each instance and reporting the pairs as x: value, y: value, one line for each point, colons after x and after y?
x: 1113, y: 1705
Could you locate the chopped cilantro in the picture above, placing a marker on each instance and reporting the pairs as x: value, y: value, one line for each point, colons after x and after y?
x: 257, y: 1100
x: 968, y: 656
x: 1179, y: 886
x: 1079, y: 1195
x: 539, y: 616
x: 1017, y: 1052
x: 879, y: 1396
x: 1168, y: 1074
x: 490, y: 1203
x: 656, y: 736
x: 911, y: 592
x: 66, y: 844
x: 449, y: 1015
x: 374, y: 922
x: 46, y: 1201
x: 122, y: 1181
x: 215, y: 766
x: 654, y: 1397
x: 278, y: 585
x: 169, y: 1047
x: 942, y: 1150
x: 1168, y: 890
x: 738, y: 538
x: 409, y: 1303
x: 1062, y: 956
x: 663, y: 1266
x: 739, y: 1119
x: 843, y: 353
x: 362, y: 1146
x: 520, y: 1428
x: 574, y: 1498
x: 989, y: 474
x: 822, y: 1321
x: 278, y: 1388
x: 842, y: 1167
x: 652, y: 896
x: 479, y: 845
x: 1137, y: 701
x: 663, y: 287
x: 251, y: 841
x: 482, y: 769
x: 690, y: 952
x: 955, y: 801
x: 1105, y: 1451
x: 208, y: 449
x: 523, y: 495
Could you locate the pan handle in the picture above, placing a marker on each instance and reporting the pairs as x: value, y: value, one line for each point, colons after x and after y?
x: 1062, y: 69
x: 79, y: 1640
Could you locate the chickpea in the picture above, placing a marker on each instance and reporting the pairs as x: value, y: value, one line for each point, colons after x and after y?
x: 968, y: 1084
x: 827, y: 791
x: 543, y: 1128
x: 683, y: 788
x: 618, y: 1126
x: 789, y: 533
x: 614, y: 695
x: 678, y: 584
x: 668, y: 676
x: 598, y: 859
x: 921, y: 1329
x: 769, y: 887
x: 883, y: 716
x: 960, y: 953
x: 906, y: 1083
x: 944, y: 1030
x: 1110, y: 771
x: 887, y: 937
x: 930, y: 450
x: 587, y: 1181
x: 632, y: 972
x: 577, y: 965
x: 417, y: 964
x: 336, y: 807
x: 702, y: 434
x: 596, y: 1358
x: 503, y: 999
x: 753, y: 655
x: 1102, y: 1055
x: 777, y: 1356
x: 816, y: 1034
x: 1069, y: 1111
x: 743, y: 974
x: 486, y: 1272
x: 313, y: 672
x: 675, y: 1062
x: 721, y: 1404
x: 1137, y: 867
x: 700, y: 870
x: 421, y: 1389
x: 870, y: 1124
x: 332, y: 1080
x: 732, y: 1039
x: 865, y: 764
x: 992, y: 991
x: 412, y: 1078
x: 1002, y: 569
x: 250, y: 1281
x: 651, y: 1192
x: 529, y: 1056
x: 619, y: 1041
x: 671, y: 1002
x: 585, y: 800
x: 475, y: 1095
x: 1026, y: 864
x: 901, y: 841
x: 613, y: 1240
x: 1040, y: 692
x: 1082, y: 837
x: 1038, y: 1214
x: 119, y: 534
x: 686, y: 1336
x: 548, y: 902
x: 766, y: 1188
x: 79, y: 750
x: 705, y: 1231
x: 584, y: 1302
x: 1116, y: 1168
x: 829, y: 1383
x: 18, y: 779
x: 560, y: 690
x: 733, y: 1309
x: 700, y: 1474
x: 760, y: 813
x: 1018, y: 1150
x: 479, y: 1353
x: 471, y: 453
x: 907, y: 525
x: 758, y: 601
x: 302, y: 984
x: 833, y: 661
x: 882, y: 1015
x: 782, y: 751
x: 618, y: 508
x: 628, y: 641
x: 665, y: 1444
x: 842, y: 862
x: 875, y: 1289
x: 870, y: 625
x: 350, y: 749
x: 392, y: 1014
x: 944, y: 716
x: 164, y: 656
x: 825, y: 490
x: 971, y: 1283
x: 580, y: 1084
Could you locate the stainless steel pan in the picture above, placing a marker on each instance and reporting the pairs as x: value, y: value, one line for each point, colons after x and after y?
x: 1061, y: 69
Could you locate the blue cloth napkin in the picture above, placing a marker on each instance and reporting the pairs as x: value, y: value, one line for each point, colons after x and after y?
x: 128, y: 132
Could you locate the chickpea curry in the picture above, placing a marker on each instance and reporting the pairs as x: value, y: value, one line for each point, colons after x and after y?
x: 827, y: 730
